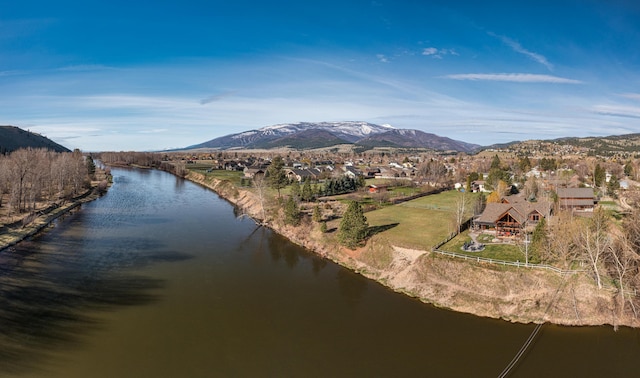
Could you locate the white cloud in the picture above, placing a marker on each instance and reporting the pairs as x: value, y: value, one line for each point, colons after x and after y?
x: 632, y: 96
x: 517, y: 47
x: 382, y: 58
x: 438, y: 53
x: 430, y: 51
x: 514, y: 77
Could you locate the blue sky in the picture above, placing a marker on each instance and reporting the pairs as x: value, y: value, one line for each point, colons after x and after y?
x: 150, y: 75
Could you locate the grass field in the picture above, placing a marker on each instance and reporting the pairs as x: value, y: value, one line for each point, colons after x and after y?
x: 420, y: 223
x: 506, y: 252
x: 234, y: 177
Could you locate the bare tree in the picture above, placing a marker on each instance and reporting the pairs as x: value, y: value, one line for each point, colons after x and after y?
x: 260, y: 184
x: 20, y: 169
x: 4, y: 176
x: 624, y: 258
x: 594, y: 242
x: 461, y: 210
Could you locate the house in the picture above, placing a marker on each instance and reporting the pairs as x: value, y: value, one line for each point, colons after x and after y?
x: 351, y: 171
x: 576, y: 199
x: 377, y: 188
x: 232, y: 166
x: 512, y: 216
x: 254, y: 171
x: 372, y: 172
x: 302, y: 174
x: 478, y: 187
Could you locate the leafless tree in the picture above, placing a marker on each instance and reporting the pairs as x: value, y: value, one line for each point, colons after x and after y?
x: 20, y: 169
x: 624, y: 258
x: 595, y: 242
x: 260, y: 185
x: 461, y: 209
x: 32, y: 176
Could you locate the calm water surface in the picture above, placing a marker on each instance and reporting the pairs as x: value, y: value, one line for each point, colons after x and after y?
x: 159, y: 278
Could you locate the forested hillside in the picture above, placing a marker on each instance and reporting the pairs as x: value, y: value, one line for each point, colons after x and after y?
x: 13, y: 138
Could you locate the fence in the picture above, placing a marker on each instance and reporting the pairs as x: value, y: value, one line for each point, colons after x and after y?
x: 506, y: 263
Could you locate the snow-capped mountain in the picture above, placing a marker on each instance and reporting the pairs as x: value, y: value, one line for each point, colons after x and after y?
x: 309, y: 135
x: 350, y: 132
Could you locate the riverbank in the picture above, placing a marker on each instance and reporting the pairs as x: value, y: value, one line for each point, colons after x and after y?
x: 514, y: 294
x: 30, y: 225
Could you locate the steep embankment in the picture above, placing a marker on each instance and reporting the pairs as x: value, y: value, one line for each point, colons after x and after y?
x: 515, y: 294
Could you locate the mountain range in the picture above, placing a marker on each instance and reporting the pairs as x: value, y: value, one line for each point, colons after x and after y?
x: 311, y: 135
x: 13, y: 138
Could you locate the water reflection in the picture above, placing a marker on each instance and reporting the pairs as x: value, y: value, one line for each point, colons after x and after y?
x: 157, y: 282
x: 352, y: 286
x: 318, y: 264
x: 44, y: 300
x: 179, y: 185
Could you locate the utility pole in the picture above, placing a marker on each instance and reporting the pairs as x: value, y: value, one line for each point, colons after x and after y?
x: 526, y: 249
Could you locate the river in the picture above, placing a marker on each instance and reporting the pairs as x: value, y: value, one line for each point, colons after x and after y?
x: 160, y: 278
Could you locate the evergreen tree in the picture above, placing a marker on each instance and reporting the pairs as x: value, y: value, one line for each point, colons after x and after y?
x: 548, y: 164
x: 317, y: 214
x: 353, y: 226
x: 524, y: 164
x: 275, y: 174
x: 495, y: 162
x: 599, y: 175
x: 307, y: 193
x: 613, y: 185
x: 295, y: 189
x: 628, y: 169
x: 539, y: 240
x: 291, y: 212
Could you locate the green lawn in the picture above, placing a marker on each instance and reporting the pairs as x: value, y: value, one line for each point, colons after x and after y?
x: 234, y: 177
x: 506, y: 252
x: 420, y: 223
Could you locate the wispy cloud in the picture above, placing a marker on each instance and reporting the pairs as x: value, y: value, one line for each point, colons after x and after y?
x: 514, y: 77
x: 11, y: 73
x: 632, y: 96
x: 618, y: 111
x: 216, y: 97
x: 517, y: 47
x: 153, y: 131
x: 84, y: 67
x: 438, y: 53
x: 382, y: 58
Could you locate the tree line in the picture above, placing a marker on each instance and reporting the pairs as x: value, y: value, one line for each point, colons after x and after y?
x: 32, y: 176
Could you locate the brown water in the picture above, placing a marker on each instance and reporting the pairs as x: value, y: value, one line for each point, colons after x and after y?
x: 159, y: 278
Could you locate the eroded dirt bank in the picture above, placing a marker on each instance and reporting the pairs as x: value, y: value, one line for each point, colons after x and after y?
x: 515, y: 294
